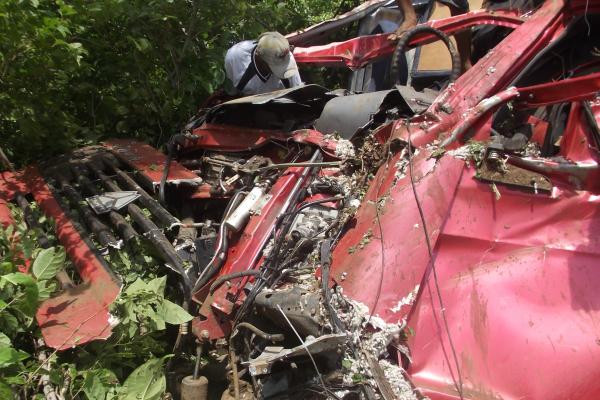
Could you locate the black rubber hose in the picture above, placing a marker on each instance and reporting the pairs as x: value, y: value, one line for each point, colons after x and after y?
x: 403, y: 42
x: 272, y: 337
x: 219, y: 281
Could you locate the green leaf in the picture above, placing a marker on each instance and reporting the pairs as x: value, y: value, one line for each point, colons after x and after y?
x: 93, y: 388
x: 10, y: 356
x: 173, y: 314
x: 19, y: 278
x: 28, y: 299
x: 157, y: 285
x: 9, y: 323
x: 147, y: 382
x: 45, y: 289
x: 136, y: 287
x: 5, y: 391
x: 48, y: 262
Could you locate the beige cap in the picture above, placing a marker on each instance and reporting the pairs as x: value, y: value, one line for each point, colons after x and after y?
x: 274, y: 49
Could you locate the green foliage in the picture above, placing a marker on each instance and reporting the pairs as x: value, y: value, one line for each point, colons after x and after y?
x: 144, y: 307
x: 133, y: 356
x: 147, y: 382
x: 48, y: 263
x: 74, y: 73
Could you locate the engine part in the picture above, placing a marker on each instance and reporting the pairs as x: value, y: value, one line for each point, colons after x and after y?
x: 194, y: 389
x: 324, y: 344
x: 312, y: 221
x: 239, y: 218
x: 302, y: 307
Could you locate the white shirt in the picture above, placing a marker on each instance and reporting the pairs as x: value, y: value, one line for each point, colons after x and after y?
x: 237, y: 60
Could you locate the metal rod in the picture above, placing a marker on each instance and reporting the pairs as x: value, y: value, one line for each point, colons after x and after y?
x: 300, y: 164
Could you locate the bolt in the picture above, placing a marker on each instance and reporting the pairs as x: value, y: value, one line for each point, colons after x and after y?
x: 204, y: 335
x: 494, y: 155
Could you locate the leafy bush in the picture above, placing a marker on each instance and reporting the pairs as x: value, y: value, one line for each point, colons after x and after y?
x: 72, y: 73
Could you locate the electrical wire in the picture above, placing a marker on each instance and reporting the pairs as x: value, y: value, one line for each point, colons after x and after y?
x: 459, y: 384
x: 381, y: 241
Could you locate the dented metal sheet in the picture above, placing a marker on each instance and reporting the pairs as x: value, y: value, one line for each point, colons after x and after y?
x: 519, y: 285
x: 80, y: 314
x: 383, y: 257
x: 149, y: 163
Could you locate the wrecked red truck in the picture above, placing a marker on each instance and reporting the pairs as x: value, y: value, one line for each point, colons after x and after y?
x: 398, y: 244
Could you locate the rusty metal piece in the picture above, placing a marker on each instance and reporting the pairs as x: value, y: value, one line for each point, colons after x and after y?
x: 194, y: 389
x: 513, y: 176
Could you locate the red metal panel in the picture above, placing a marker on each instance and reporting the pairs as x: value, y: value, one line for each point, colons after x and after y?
x: 395, y: 258
x: 567, y: 90
x: 149, y: 162
x: 9, y: 186
x: 357, y: 52
x: 519, y: 281
x: 80, y: 314
x: 235, y: 138
x: 498, y: 69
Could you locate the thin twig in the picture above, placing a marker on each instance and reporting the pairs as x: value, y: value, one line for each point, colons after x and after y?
x: 32, y: 375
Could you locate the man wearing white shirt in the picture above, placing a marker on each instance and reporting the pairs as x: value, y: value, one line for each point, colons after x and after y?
x: 261, y: 66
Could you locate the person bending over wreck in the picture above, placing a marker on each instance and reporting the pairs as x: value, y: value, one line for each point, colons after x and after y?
x: 261, y: 66
x: 457, y: 7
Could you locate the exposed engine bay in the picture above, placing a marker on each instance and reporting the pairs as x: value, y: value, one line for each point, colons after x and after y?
x: 398, y: 244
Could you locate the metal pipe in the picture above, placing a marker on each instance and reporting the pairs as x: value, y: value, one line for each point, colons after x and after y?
x: 476, y: 112
x: 222, y: 279
x: 234, y: 373
x: 273, y: 337
x: 199, y: 350
x: 221, y: 250
x: 300, y: 164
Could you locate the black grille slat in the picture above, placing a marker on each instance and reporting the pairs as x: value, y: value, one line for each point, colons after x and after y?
x: 102, y: 232
x: 162, y: 215
x: 120, y: 224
